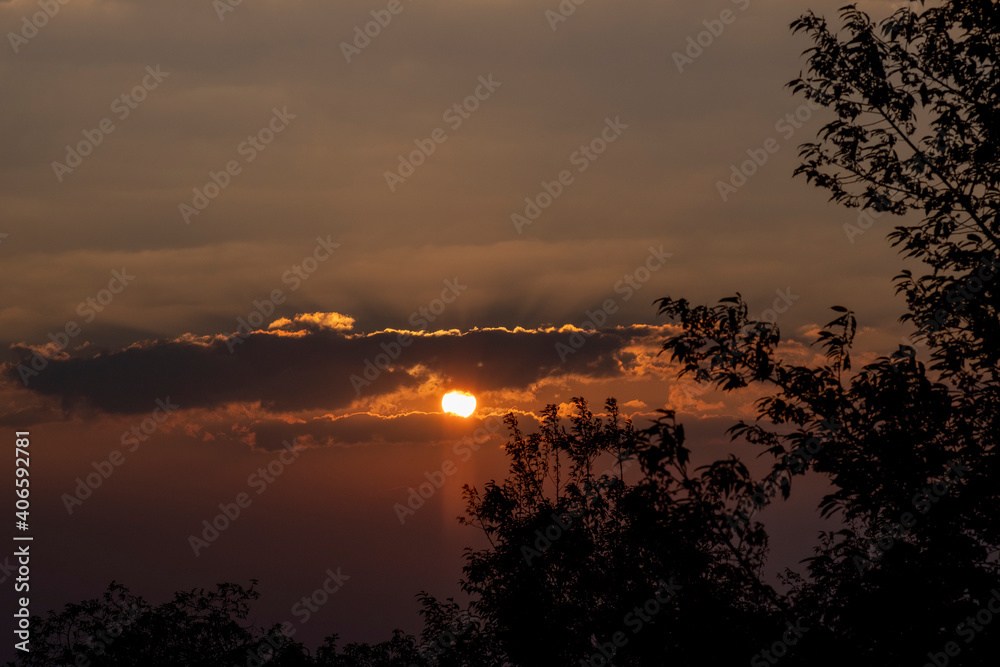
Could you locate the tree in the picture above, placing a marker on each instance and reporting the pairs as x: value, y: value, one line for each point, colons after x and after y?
x: 917, y: 99
x: 198, y: 628
x: 911, y: 450
x: 399, y: 651
x: 583, y: 565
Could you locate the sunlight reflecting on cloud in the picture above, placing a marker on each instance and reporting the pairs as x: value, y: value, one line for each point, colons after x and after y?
x: 311, y: 321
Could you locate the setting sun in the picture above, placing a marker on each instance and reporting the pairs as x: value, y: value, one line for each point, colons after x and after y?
x: 459, y: 403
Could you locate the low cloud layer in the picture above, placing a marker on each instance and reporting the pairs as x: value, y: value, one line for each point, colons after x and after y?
x: 313, y: 363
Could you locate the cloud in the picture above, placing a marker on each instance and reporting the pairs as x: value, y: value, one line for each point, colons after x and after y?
x: 311, y: 363
x: 313, y: 322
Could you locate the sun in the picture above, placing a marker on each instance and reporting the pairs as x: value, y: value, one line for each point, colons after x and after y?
x: 459, y: 402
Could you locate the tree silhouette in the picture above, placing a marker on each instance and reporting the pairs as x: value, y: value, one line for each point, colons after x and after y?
x: 579, y: 556
x: 199, y: 628
x: 917, y: 104
x: 917, y: 99
x: 909, y: 449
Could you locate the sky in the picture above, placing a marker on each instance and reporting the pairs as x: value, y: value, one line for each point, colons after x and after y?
x: 241, y: 235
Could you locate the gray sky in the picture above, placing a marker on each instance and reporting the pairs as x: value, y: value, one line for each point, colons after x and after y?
x: 324, y: 174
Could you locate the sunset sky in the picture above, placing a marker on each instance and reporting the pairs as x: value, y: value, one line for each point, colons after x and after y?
x: 232, y: 226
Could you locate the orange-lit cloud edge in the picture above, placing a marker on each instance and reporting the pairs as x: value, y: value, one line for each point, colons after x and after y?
x: 622, y: 361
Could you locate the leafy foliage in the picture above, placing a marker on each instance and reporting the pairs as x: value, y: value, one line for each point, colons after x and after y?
x: 553, y: 592
x: 917, y: 99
